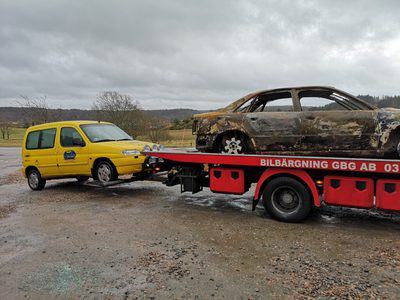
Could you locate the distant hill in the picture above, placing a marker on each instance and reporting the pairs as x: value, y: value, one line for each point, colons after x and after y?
x: 171, y: 114
x: 16, y: 114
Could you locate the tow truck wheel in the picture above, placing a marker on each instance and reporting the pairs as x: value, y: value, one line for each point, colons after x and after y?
x: 105, y: 172
x: 35, y: 180
x: 398, y: 149
x: 287, y: 199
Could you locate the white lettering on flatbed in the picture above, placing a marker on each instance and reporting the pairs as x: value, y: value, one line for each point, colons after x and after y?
x: 294, y: 163
x: 331, y: 164
x: 391, y: 168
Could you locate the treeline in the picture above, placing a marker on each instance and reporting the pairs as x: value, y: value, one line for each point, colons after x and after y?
x: 384, y: 101
x: 120, y: 109
x: 381, y: 102
x: 117, y: 108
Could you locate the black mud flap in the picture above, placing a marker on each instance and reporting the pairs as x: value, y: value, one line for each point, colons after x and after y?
x: 255, y: 203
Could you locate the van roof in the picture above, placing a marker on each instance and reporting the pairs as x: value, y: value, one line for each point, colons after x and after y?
x: 76, y: 123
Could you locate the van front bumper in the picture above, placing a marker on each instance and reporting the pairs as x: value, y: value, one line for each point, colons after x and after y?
x: 128, y: 164
x: 132, y: 165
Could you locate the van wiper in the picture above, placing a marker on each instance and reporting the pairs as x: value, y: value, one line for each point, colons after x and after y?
x: 104, y: 140
x: 126, y: 139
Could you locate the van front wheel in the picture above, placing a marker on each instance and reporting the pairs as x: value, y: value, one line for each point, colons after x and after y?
x: 105, y: 172
x: 35, y: 180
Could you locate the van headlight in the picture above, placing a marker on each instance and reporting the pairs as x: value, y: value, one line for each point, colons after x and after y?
x: 155, y: 148
x: 146, y: 148
x: 131, y: 152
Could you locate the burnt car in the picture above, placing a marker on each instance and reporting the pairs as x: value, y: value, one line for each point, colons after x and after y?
x: 312, y: 120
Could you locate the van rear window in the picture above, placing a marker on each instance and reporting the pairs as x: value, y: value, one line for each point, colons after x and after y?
x: 32, y: 141
x: 41, y: 139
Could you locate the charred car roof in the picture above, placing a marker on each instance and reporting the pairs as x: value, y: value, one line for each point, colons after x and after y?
x: 324, y: 89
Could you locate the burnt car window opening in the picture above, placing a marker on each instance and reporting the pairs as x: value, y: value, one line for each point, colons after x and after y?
x: 326, y: 100
x: 285, y: 104
x: 247, y: 105
x: 270, y: 102
x: 320, y: 104
x: 104, y: 133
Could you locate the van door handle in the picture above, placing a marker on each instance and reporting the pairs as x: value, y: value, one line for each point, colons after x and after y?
x: 27, y: 155
x: 253, y: 119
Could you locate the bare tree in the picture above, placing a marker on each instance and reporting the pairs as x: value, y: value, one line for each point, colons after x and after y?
x: 156, y: 130
x: 35, y: 110
x: 5, y: 129
x: 121, y: 110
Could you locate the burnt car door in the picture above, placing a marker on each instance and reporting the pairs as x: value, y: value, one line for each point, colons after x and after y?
x: 332, y: 122
x: 273, y: 122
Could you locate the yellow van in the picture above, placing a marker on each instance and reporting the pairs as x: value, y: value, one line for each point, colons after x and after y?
x: 80, y: 149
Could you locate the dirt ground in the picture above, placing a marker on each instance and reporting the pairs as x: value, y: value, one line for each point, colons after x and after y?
x: 144, y: 240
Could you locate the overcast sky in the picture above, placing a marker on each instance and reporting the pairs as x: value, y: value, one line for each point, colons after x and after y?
x: 194, y: 54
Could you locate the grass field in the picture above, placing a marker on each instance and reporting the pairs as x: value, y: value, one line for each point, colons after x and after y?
x: 180, y: 138
x: 176, y: 138
x: 15, y: 140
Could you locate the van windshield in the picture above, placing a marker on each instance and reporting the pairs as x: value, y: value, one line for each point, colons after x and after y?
x: 97, y: 133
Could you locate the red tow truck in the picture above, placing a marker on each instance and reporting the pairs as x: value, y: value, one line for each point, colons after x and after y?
x: 289, y: 186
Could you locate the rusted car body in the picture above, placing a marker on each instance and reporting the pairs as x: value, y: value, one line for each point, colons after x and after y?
x: 344, y: 126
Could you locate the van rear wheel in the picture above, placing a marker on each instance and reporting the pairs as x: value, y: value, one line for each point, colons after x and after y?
x: 35, y: 180
x: 82, y: 178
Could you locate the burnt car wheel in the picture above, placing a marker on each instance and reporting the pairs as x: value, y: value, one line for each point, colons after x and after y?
x: 234, y: 144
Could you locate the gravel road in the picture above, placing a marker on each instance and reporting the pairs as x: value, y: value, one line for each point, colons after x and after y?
x: 144, y: 240
x: 10, y: 160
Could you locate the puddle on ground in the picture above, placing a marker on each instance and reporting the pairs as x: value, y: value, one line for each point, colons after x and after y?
x: 327, y: 215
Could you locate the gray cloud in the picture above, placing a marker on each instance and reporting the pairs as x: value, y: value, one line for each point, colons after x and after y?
x: 194, y: 54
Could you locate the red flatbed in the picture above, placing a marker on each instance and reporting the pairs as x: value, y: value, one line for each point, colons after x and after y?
x: 386, y: 166
x: 289, y: 185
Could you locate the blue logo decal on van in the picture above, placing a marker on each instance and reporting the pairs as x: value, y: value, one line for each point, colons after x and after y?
x: 69, y: 154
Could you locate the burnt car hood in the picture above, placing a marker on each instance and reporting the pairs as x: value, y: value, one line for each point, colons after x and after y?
x: 230, y: 108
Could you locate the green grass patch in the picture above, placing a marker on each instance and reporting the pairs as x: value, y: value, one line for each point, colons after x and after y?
x: 180, y: 138
x: 16, y: 136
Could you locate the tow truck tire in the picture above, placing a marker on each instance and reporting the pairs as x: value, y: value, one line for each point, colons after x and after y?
x: 287, y: 199
x: 35, y: 180
x: 398, y: 149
